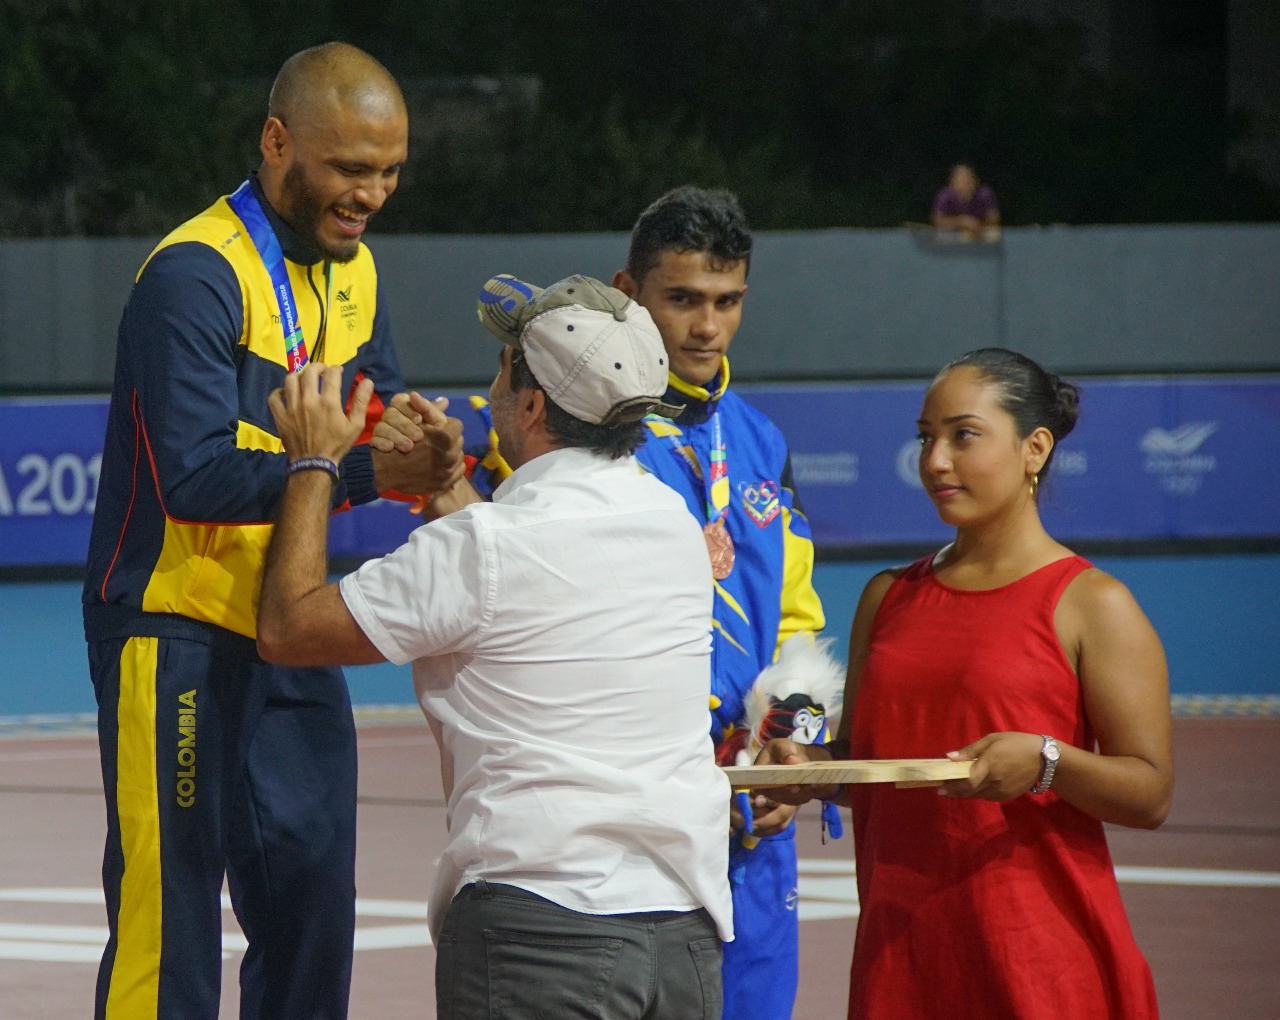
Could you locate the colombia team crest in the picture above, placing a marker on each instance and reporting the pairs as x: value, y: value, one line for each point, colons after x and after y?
x: 760, y: 501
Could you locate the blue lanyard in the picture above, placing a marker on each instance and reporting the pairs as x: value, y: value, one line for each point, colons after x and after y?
x: 244, y: 203
x: 716, y: 481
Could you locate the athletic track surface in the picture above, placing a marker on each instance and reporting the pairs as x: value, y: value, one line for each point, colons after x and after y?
x: 1203, y: 892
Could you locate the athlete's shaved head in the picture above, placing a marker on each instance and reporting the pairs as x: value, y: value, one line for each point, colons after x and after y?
x: 314, y: 83
x: 334, y: 142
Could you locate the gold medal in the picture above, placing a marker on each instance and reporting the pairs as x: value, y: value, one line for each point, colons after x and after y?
x: 719, y: 548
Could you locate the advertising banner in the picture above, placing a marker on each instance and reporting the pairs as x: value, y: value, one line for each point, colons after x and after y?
x: 1161, y: 458
x: 50, y: 453
x: 1153, y: 458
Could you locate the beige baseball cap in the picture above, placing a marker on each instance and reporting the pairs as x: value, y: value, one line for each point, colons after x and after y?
x: 596, y: 353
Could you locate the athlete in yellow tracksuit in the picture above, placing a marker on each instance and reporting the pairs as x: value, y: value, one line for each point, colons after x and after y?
x: 214, y: 761
x: 208, y: 753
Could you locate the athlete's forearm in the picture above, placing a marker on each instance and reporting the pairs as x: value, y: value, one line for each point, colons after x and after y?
x: 297, y: 559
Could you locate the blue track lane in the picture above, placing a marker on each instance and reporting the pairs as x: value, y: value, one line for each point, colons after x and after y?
x: 1216, y: 614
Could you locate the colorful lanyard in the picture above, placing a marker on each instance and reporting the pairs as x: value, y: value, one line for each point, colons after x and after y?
x: 717, y: 480
x: 244, y: 203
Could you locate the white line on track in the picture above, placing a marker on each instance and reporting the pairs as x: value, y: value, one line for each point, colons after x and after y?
x: 1200, y: 877
x: 78, y: 943
x: 815, y: 867
x: 828, y: 891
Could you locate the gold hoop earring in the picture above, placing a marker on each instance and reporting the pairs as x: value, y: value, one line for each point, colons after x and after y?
x: 1035, y: 485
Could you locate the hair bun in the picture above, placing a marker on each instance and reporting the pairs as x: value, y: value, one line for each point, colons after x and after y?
x: 1067, y: 398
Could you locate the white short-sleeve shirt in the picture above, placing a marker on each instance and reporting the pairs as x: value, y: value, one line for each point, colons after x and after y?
x: 560, y: 640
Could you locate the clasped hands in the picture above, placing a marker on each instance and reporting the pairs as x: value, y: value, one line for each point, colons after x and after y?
x: 416, y: 448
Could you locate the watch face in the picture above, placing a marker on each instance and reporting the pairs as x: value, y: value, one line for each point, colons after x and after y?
x: 1051, y: 751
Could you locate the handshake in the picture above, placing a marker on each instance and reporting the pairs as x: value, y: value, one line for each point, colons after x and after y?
x: 416, y: 448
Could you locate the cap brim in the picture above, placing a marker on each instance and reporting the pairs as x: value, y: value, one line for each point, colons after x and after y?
x: 667, y: 410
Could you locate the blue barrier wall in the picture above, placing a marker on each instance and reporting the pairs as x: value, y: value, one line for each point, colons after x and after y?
x: 1216, y: 615
x: 1171, y: 457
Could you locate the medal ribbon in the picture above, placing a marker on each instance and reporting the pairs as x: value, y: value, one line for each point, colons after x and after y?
x: 244, y: 203
x: 716, y: 479
x: 718, y: 489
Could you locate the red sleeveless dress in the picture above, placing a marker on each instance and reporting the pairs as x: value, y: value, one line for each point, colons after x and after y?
x: 972, y: 909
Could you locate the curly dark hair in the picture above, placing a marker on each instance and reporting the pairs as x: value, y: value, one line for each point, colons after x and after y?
x: 690, y: 219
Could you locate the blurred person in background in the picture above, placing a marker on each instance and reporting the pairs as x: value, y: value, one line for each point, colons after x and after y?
x: 966, y: 206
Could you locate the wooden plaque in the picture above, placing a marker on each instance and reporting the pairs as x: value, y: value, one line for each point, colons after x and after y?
x: 916, y: 771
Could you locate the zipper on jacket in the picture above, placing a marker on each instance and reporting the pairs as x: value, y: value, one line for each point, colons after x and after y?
x: 317, y: 353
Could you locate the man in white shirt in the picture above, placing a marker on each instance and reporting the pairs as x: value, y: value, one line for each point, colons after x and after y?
x: 560, y: 640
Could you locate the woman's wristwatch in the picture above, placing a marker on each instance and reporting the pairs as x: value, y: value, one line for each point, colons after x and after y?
x: 1049, y: 755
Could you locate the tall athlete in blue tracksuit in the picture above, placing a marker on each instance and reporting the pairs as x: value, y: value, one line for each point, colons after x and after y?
x: 214, y: 761
x: 687, y: 265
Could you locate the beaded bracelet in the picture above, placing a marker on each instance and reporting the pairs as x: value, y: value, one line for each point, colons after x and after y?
x: 314, y: 464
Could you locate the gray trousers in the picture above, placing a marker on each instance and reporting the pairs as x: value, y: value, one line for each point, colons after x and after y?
x: 506, y: 953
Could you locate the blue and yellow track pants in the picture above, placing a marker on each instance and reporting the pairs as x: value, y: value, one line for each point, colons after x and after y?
x: 215, y: 763
x: 762, y: 964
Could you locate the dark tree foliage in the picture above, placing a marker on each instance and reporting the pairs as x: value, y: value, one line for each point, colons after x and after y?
x: 124, y: 117
x: 120, y: 117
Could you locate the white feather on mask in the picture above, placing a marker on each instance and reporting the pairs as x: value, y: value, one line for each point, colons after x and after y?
x: 804, y: 667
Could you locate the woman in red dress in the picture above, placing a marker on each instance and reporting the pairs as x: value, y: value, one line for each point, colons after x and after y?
x: 998, y: 898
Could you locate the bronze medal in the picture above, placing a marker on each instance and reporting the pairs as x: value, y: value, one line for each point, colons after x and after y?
x: 719, y: 548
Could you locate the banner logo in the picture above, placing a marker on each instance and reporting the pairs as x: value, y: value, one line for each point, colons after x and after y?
x: 1174, y: 457
x: 1180, y: 442
x: 908, y: 463
x: 1071, y: 463
x: 839, y: 468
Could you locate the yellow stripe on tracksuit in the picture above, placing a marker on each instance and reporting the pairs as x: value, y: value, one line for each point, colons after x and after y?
x: 135, y: 975
x: 801, y: 607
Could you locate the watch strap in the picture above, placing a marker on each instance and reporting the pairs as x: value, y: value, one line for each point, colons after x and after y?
x: 1049, y: 755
